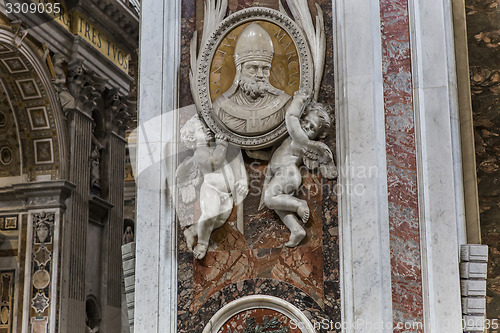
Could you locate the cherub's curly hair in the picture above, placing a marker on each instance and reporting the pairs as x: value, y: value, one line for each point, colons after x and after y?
x: 323, y: 114
x: 188, y: 129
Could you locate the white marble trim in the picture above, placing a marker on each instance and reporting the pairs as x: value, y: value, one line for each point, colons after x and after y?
x: 27, y: 274
x: 54, y: 272
x: 363, y: 219
x: 156, y: 239
x: 258, y: 302
x: 439, y: 171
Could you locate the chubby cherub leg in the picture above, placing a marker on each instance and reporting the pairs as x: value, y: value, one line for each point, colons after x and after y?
x: 190, y: 233
x: 215, y: 207
x: 278, y: 195
x: 297, y: 232
x: 205, y: 227
x: 287, y: 202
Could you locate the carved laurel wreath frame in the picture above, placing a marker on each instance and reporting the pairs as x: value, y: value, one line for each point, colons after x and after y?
x: 200, y: 79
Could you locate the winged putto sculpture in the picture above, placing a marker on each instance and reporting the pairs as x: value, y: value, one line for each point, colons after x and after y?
x: 283, y: 177
x: 223, y: 180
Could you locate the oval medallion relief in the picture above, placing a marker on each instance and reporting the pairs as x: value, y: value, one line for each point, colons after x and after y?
x: 250, y: 67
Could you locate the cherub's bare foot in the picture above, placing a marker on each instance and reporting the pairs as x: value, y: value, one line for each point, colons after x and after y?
x: 199, y: 251
x: 188, y: 233
x: 303, y: 211
x: 295, y: 238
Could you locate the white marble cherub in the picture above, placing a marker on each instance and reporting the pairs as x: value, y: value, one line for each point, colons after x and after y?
x: 224, y: 181
x: 283, y: 177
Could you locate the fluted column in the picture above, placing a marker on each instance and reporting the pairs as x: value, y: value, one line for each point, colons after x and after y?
x: 72, y: 314
x: 115, y: 156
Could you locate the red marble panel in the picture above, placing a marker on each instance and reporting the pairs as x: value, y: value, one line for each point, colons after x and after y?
x: 301, y: 267
x: 401, y: 163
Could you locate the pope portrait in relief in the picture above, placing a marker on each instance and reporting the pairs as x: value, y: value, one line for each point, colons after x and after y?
x: 252, y: 106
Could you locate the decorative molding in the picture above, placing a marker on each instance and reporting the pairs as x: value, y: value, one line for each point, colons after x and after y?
x: 44, y: 152
x: 40, y: 302
x: 40, y: 284
x: 15, y: 65
x: 49, y: 194
x: 29, y: 89
x: 38, y: 118
x: 259, y: 302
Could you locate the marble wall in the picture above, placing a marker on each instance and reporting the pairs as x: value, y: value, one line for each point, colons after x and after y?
x: 483, y: 34
x: 257, y: 263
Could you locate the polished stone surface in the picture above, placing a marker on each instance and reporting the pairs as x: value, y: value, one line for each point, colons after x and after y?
x: 401, y: 163
x: 483, y: 26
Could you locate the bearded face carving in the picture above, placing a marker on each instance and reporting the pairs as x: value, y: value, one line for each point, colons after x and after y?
x: 252, y: 106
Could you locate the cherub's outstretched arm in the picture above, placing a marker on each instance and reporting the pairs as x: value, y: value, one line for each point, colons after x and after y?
x: 212, y: 158
x: 292, y: 118
x: 219, y: 153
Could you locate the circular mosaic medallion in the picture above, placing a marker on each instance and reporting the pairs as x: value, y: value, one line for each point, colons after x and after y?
x: 41, y: 279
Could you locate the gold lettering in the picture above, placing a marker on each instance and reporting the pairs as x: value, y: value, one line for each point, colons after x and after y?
x: 293, y: 77
x: 87, y: 30
x: 290, y: 55
x: 286, y: 45
x: 279, y: 35
x: 100, y: 42
x: 218, y: 69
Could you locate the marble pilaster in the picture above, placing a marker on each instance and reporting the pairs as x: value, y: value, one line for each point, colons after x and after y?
x: 439, y: 162
x: 114, y: 230
x: 156, y: 255
x: 363, y: 208
x: 72, y: 314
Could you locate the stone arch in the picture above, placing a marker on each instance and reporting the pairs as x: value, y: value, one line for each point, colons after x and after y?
x: 29, y: 102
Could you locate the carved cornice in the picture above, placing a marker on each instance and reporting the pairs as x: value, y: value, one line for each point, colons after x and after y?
x: 48, y: 194
x: 120, y: 21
